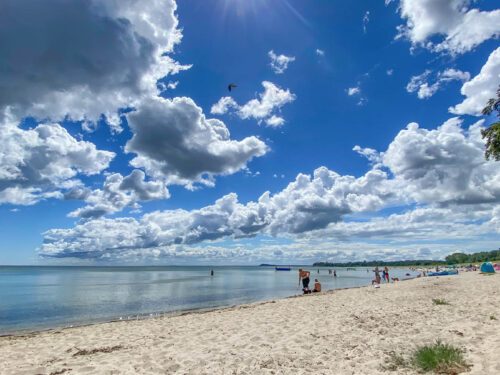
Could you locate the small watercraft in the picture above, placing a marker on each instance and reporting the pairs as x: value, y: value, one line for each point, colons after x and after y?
x: 443, y: 273
x: 283, y: 268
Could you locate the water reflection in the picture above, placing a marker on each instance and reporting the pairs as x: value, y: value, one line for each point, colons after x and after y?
x: 43, y: 297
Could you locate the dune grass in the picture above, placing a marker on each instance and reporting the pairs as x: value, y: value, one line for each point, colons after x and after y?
x: 440, y: 301
x: 439, y: 358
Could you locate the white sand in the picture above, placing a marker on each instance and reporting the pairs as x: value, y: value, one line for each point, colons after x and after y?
x: 343, y: 332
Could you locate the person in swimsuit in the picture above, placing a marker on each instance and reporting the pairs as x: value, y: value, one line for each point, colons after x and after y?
x: 317, y: 286
x: 304, y: 277
x: 386, y: 270
x: 377, y: 276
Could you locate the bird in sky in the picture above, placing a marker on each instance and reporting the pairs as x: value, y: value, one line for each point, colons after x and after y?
x: 231, y: 86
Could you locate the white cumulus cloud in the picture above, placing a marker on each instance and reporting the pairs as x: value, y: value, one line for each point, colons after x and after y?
x: 480, y: 88
x: 119, y: 192
x: 445, y: 165
x: 272, y: 99
x: 262, y: 108
x: 353, y: 91
x: 425, y: 88
x: 96, y: 56
x: 175, y: 142
x: 279, y: 63
x: 41, y: 162
x: 458, y: 27
x: 223, y: 105
x: 306, y: 204
x: 440, y: 171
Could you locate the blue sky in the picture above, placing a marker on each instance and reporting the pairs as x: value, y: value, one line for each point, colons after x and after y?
x: 112, y: 151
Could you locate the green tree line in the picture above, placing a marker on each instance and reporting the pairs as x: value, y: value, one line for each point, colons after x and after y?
x: 399, y: 263
x: 455, y: 258
x: 483, y: 256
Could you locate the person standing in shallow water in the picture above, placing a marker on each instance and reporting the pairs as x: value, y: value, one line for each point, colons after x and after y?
x: 211, y: 272
x: 377, y: 276
x: 304, y: 277
x: 386, y: 270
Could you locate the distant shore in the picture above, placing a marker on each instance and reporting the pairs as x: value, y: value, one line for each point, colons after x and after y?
x: 349, y: 331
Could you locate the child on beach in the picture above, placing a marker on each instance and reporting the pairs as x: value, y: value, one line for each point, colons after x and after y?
x: 317, y: 286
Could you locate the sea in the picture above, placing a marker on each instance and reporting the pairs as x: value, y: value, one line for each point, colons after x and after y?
x: 34, y: 298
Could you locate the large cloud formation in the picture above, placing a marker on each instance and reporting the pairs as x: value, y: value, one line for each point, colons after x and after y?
x: 306, y: 204
x: 459, y: 28
x: 442, y: 170
x: 83, y: 58
x: 119, y: 192
x: 38, y: 163
x: 444, y: 166
x: 480, y: 88
x: 174, y: 142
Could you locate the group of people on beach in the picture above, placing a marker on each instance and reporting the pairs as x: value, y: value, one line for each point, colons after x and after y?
x: 385, y: 275
x: 304, y: 276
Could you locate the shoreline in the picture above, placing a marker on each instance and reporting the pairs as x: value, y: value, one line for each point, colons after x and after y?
x: 165, y: 314
x: 340, y: 331
x: 23, y: 318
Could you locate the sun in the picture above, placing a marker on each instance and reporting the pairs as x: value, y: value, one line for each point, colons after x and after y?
x: 257, y: 10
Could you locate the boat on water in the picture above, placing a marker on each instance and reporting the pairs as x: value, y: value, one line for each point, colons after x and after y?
x: 282, y: 268
x: 443, y: 273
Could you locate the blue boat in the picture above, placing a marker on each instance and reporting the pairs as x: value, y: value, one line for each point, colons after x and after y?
x: 443, y: 273
x: 283, y: 268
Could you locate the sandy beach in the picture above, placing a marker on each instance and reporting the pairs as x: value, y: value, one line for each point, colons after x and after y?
x: 350, y: 331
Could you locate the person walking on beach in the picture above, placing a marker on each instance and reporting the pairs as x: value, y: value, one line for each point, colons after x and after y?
x: 304, y: 277
x: 383, y: 275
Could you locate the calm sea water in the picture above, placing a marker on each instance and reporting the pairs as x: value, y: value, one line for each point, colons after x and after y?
x: 35, y: 298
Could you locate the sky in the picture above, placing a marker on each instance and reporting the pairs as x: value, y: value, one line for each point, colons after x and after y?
x: 353, y: 131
